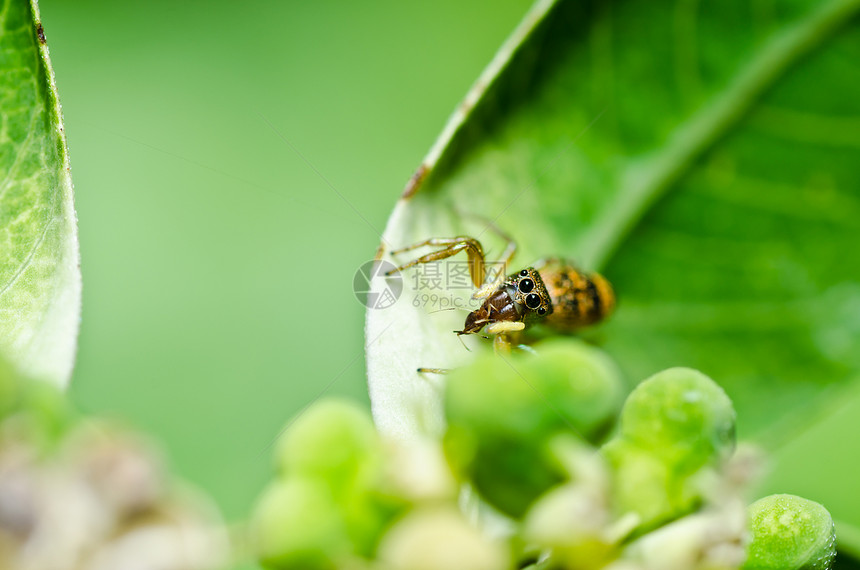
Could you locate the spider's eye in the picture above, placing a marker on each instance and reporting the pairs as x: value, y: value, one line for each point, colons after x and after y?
x: 524, y: 273
x: 541, y: 311
x: 526, y: 285
x: 532, y: 301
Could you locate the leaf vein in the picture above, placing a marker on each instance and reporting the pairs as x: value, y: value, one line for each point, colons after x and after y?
x: 10, y: 179
x: 26, y: 262
x: 645, y: 182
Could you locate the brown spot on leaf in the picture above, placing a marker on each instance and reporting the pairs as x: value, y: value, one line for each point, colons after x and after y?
x: 415, y: 181
x: 40, y: 33
x: 473, y: 96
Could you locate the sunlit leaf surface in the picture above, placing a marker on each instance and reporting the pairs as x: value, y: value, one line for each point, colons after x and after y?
x: 703, y: 156
x: 39, y: 273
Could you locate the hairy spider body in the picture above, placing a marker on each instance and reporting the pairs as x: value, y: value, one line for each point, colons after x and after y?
x: 553, y: 292
x: 558, y: 294
x: 578, y: 299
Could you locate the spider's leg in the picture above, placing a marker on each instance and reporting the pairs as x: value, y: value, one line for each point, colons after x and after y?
x: 505, y: 260
x: 451, y: 246
x: 433, y: 370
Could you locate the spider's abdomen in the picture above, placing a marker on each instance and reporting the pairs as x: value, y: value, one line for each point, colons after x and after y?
x: 578, y: 298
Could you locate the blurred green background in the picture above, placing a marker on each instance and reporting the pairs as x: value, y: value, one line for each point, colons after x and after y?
x: 217, y: 264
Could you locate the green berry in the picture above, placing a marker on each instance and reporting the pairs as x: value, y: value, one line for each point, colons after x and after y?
x: 489, y: 396
x: 496, y: 432
x: 502, y: 411
x: 440, y: 538
x: 335, y: 444
x: 566, y: 385
x: 297, y: 525
x: 331, y: 441
x: 572, y: 520
x: 511, y: 473
x: 581, y: 381
x: 681, y: 416
x: 790, y: 533
x: 366, y: 516
x: 647, y: 486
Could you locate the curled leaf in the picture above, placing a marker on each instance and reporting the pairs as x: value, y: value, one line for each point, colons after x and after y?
x: 701, y: 156
x: 40, y: 285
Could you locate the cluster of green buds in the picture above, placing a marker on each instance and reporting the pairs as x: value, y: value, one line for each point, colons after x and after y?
x: 543, y: 465
x: 88, y: 494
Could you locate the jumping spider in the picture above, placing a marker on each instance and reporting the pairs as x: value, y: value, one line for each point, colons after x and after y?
x: 552, y: 292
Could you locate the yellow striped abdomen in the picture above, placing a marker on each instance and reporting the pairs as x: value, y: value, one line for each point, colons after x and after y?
x: 578, y: 298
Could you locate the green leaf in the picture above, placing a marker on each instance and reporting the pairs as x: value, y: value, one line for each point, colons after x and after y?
x: 702, y: 156
x: 40, y: 286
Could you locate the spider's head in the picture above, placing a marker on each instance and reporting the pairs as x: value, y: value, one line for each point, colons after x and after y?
x: 521, y: 297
